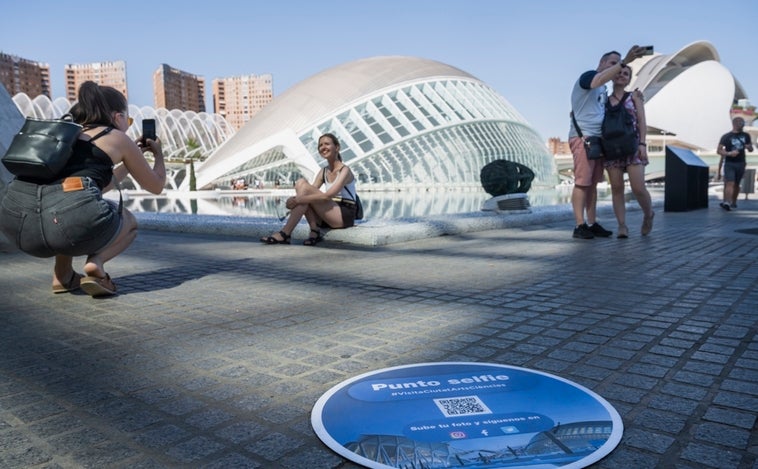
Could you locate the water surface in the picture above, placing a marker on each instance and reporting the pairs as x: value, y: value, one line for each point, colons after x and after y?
x: 384, y: 204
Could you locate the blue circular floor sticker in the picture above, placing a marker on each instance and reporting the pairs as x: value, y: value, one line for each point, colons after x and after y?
x: 475, y: 415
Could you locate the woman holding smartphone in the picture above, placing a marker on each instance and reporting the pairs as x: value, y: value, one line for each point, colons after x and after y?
x: 68, y: 217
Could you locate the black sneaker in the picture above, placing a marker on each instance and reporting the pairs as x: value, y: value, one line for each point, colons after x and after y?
x: 583, y: 232
x: 598, y: 230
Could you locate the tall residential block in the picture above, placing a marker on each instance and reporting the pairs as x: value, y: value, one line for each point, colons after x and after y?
x: 558, y: 147
x: 111, y: 74
x: 24, y: 76
x: 176, y: 89
x: 238, y: 99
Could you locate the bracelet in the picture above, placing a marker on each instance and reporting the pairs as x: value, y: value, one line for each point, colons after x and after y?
x: 643, y: 144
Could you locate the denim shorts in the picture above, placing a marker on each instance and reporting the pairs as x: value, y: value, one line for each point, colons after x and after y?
x: 46, y: 220
x: 734, y: 171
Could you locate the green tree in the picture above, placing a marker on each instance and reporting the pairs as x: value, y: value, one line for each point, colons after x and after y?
x: 193, y: 150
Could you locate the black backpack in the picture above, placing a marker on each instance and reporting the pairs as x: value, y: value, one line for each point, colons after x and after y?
x: 619, y: 135
x: 41, y: 149
x: 358, y: 205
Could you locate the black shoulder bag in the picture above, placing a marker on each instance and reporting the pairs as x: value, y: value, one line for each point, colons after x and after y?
x: 593, y: 146
x: 41, y: 149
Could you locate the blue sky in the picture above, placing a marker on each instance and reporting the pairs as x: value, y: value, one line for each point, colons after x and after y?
x: 530, y: 51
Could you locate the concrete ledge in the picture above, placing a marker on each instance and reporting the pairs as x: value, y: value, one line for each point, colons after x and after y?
x: 378, y: 232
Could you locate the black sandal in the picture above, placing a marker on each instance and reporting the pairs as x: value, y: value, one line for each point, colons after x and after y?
x: 313, y: 240
x: 271, y: 240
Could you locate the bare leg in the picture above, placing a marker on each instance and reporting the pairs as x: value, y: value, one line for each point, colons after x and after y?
x: 312, y: 211
x: 95, y: 265
x: 295, y: 215
x: 736, y: 194
x: 63, y: 270
x: 578, y: 203
x: 729, y: 192
x: 591, y: 207
x: 326, y: 210
x: 616, y: 178
x: 637, y: 182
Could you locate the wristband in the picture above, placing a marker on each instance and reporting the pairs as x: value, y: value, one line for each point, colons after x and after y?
x: 643, y: 144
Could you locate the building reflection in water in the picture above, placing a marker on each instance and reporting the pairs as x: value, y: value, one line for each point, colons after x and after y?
x: 391, y: 205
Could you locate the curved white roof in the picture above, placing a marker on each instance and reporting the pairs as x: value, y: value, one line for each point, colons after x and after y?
x: 323, y: 93
x: 688, y: 93
x: 401, y: 122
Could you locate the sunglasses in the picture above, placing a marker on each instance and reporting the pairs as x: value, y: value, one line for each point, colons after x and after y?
x: 129, y: 120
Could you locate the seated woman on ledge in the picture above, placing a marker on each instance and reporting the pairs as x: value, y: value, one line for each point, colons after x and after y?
x: 334, y: 207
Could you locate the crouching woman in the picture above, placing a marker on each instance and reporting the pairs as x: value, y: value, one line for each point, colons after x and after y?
x: 334, y: 207
x: 68, y: 217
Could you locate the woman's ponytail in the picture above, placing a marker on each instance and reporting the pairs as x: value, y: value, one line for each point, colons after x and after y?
x: 97, y: 104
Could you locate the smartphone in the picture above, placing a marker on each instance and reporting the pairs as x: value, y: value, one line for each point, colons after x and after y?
x: 648, y: 50
x: 148, y: 129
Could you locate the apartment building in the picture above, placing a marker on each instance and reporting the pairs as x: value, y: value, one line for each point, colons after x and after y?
x: 20, y: 75
x: 238, y: 99
x: 558, y: 147
x: 176, y: 89
x: 111, y: 74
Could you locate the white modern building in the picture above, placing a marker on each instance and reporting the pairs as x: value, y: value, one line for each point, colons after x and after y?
x: 401, y: 122
x: 688, y: 96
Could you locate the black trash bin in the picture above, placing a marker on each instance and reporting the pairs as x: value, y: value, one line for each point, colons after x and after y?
x: 686, y: 186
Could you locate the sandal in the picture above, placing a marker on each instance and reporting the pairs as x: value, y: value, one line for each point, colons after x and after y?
x: 71, y: 285
x: 313, y: 240
x: 647, y: 224
x: 623, y: 232
x: 271, y: 240
x: 97, y: 286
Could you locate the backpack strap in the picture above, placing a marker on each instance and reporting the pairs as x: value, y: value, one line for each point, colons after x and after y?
x: 100, y: 134
x: 351, y: 194
x: 608, y: 104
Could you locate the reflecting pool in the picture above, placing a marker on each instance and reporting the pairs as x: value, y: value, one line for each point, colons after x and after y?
x: 384, y: 204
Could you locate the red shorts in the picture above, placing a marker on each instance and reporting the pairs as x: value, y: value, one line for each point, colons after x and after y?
x: 586, y: 172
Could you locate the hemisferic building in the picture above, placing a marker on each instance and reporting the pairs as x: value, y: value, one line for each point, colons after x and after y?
x: 401, y: 121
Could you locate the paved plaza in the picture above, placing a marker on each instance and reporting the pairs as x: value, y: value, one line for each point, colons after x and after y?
x: 217, y: 346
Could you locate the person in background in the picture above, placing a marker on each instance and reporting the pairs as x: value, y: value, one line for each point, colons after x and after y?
x: 69, y: 217
x: 333, y: 208
x: 588, y: 106
x: 732, y: 148
x: 633, y: 165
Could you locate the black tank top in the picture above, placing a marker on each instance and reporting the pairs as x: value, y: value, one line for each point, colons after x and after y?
x: 87, y: 160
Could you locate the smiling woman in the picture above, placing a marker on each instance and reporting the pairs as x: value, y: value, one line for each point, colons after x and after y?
x: 334, y: 208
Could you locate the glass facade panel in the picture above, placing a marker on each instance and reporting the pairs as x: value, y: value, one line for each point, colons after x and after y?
x: 434, y: 132
x: 396, y: 100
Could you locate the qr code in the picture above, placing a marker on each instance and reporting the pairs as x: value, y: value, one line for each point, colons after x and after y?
x: 457, y: 406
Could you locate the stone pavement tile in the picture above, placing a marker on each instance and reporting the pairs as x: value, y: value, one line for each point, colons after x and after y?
x: 217, y: 347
